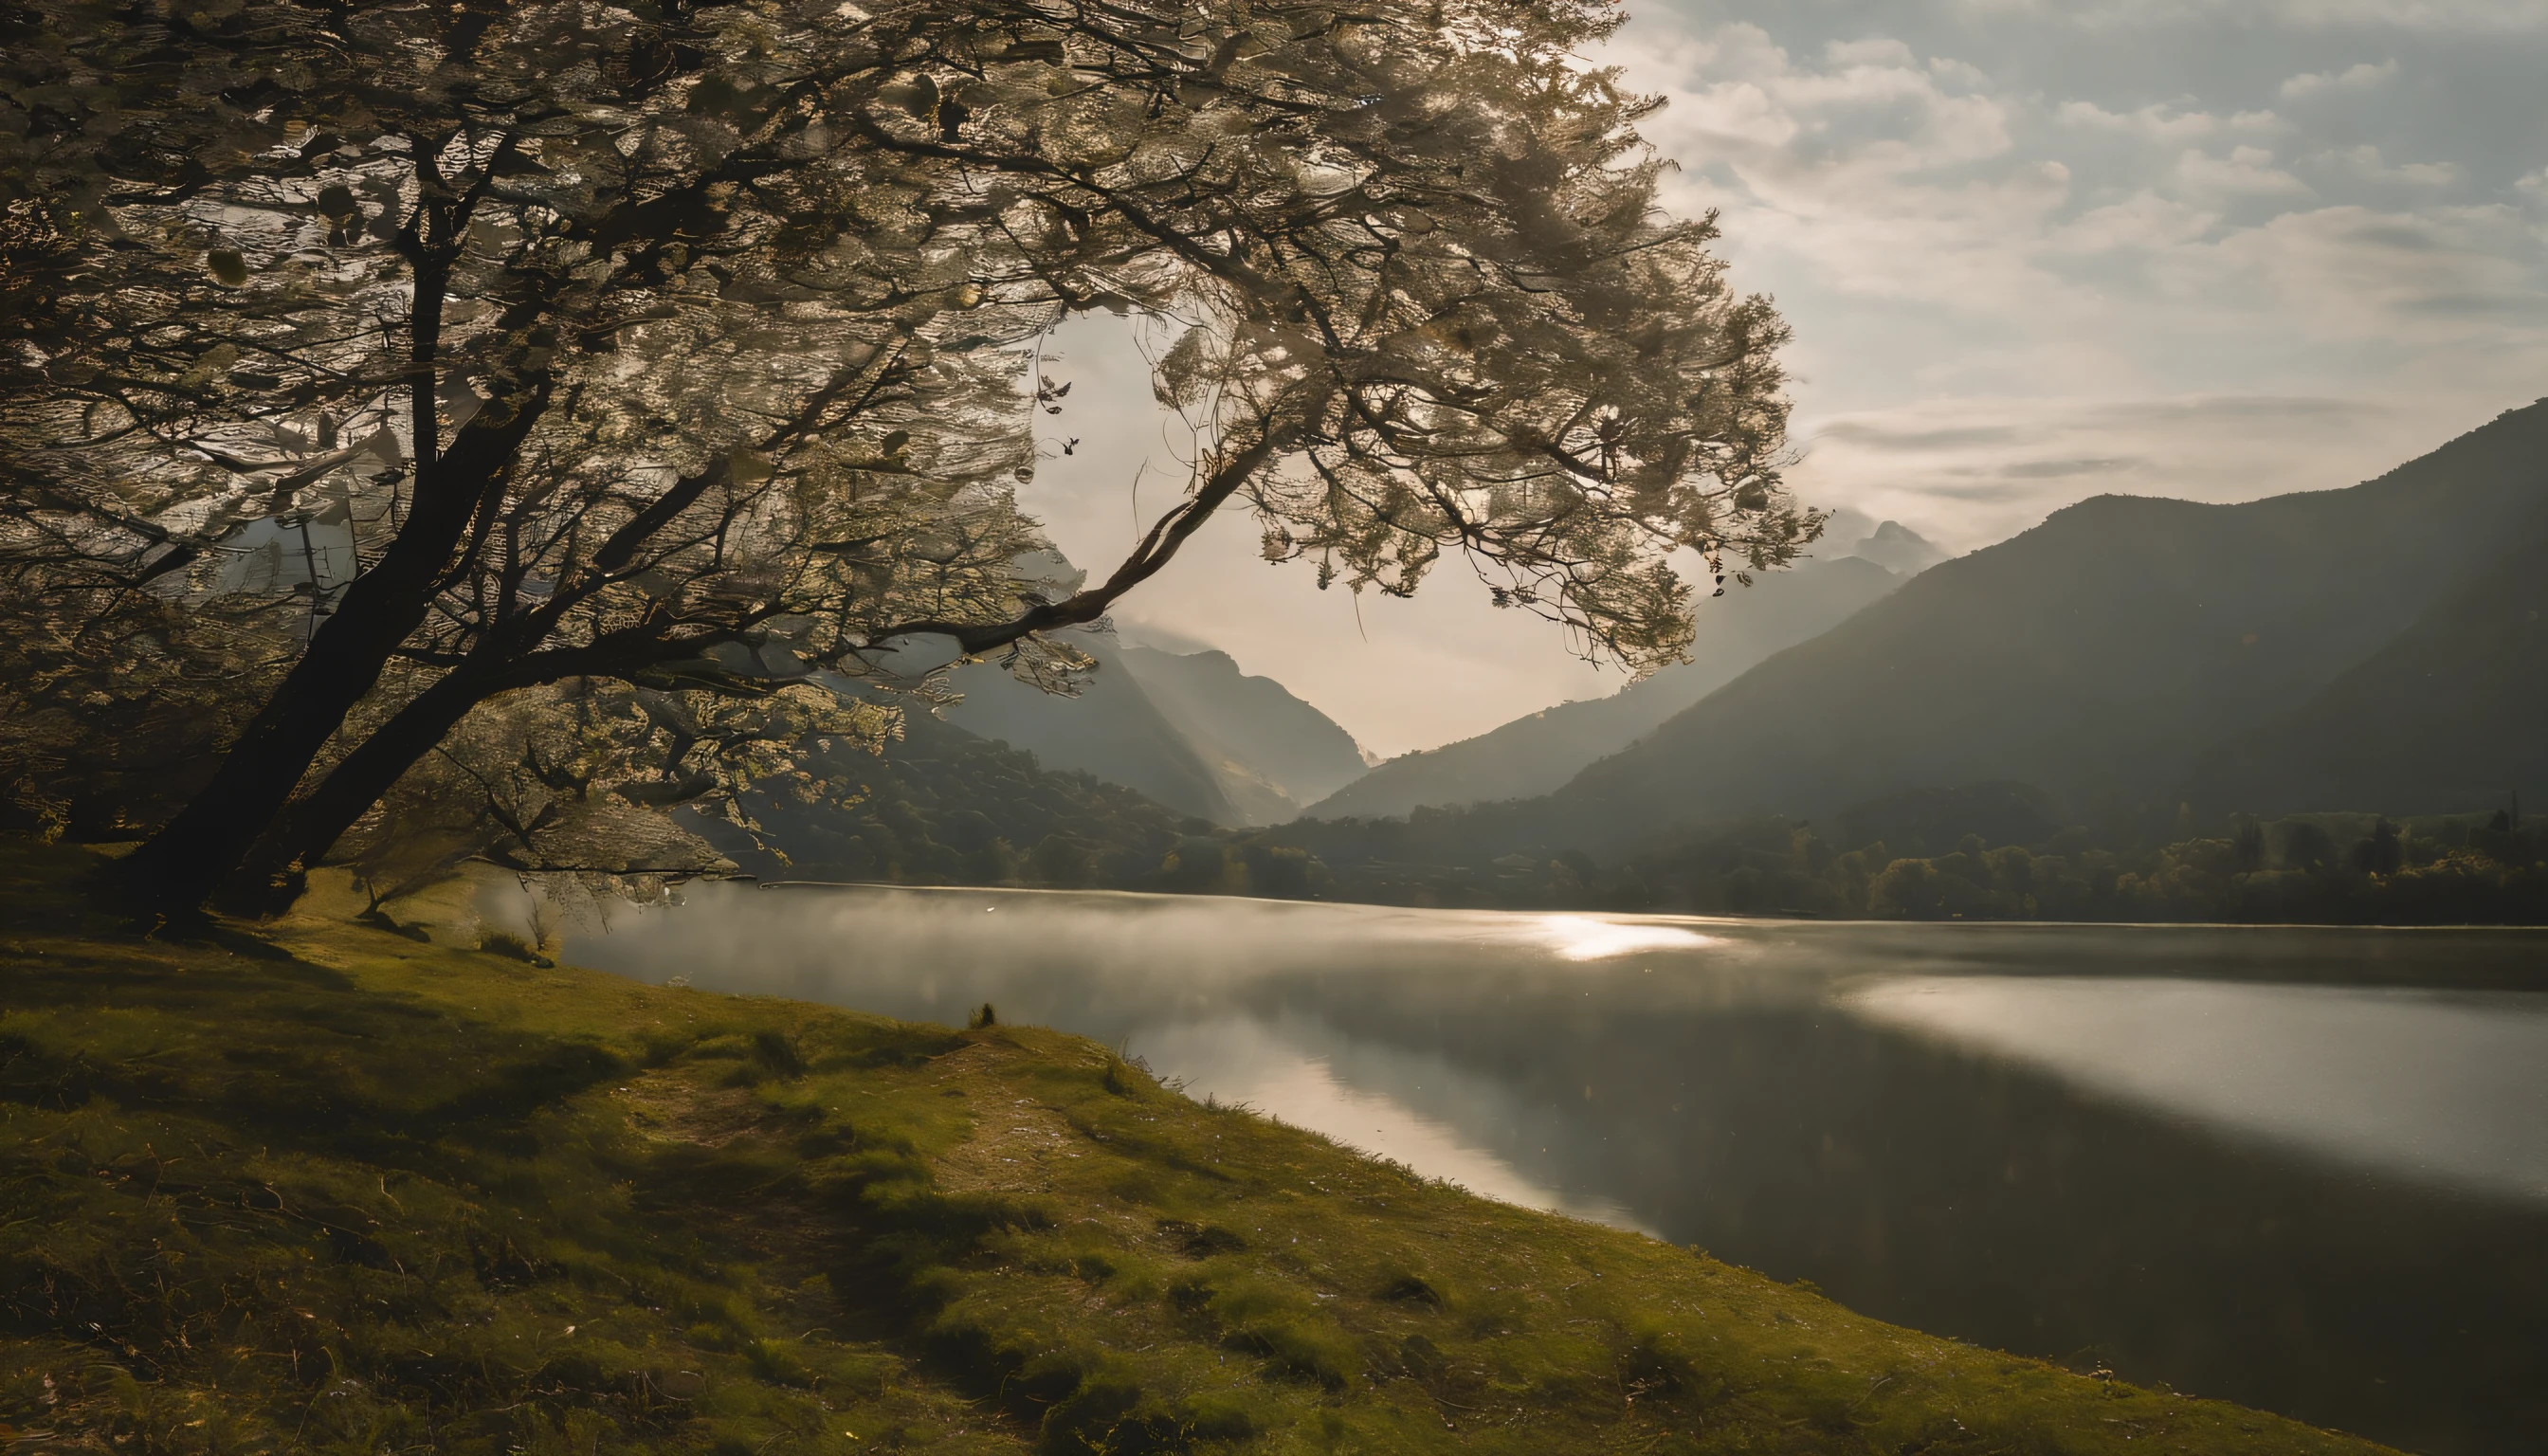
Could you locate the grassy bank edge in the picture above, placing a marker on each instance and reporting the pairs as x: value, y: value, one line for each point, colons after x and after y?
x: 314, y: 1186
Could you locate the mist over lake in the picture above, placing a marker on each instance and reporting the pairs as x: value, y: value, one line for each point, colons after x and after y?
x: 2305, y: 1169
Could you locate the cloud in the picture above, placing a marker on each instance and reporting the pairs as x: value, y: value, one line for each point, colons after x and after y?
x: 2053, y: 470
x: 2467, y: 17
x: 2355, y: 78
x: 1871, y: 162
x: 2302, y: 17
x: 2169, y: 123
x: 2143, y: 220
x: 2397, y: 283
x: 1877, y: 50
x: 1890, y: 438
x: 2247, y: 172
x: 1967, y: 472
x: 2364, y: 163
x: 1958, y: 201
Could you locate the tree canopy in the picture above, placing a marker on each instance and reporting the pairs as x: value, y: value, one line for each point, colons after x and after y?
x: 691, y: 347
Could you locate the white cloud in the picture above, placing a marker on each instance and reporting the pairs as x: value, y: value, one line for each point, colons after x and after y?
x: 2461, y: 17
x: 2428, y: 282
x: 2143, y: 220
x: 2157, y: 122
x: 1876, y: 51
x: 1865, y: 164
x: 2365, y: 164
x: 2247, y: 172
x: 1953, y: 72
x: 1967, y: 472
x: 2354, y: 78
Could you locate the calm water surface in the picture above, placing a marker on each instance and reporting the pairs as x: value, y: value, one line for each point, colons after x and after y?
x: 2304, y: 1169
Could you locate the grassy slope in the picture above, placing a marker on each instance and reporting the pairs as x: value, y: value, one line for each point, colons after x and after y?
x: 325, y: 1188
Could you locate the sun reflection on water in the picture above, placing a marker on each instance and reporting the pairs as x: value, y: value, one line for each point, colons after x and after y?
x: 1583, y: 937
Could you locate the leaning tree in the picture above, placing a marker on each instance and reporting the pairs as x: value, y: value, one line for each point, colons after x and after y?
x: 689, y: 346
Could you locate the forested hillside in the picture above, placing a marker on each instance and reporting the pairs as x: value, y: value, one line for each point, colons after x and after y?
x: 1988, y: 851
x: 2453, y: 712
x: 942, y: 805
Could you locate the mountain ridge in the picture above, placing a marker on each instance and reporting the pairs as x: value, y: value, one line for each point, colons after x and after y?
x: 2093, y: 655
x: 1110, y: 728
x: 1537, y: 753
x: 1270, y: 750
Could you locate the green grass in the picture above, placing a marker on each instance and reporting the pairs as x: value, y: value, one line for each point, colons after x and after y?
x: 320, y: 1187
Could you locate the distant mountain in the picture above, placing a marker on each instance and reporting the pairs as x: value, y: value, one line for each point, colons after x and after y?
x: 2450, y: 715
x: 1269, y: 753
x: 1111, y: 728
x: 1898, y: 549
x: 1534, y: 754
x: 2101, y: 653
x: 1186, y: 729
x: 944, y: 806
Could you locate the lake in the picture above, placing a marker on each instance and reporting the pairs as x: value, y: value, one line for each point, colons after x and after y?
x: 2304, y: 1169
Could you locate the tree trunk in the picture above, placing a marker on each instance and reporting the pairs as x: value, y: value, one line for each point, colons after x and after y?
x: 303, y: 833
x: 205, y: 844
x: 229, y: 836
x: 300, y: 834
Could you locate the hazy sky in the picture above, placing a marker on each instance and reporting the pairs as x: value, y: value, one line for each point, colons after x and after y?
x: 2032, y: 252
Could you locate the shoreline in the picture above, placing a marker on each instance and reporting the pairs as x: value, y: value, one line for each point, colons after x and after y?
x: 319, y: 1184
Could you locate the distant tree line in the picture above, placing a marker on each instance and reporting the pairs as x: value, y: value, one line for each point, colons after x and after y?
x: 944, y: 807
x: 2342, y: 868
x: 2131, y: 863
